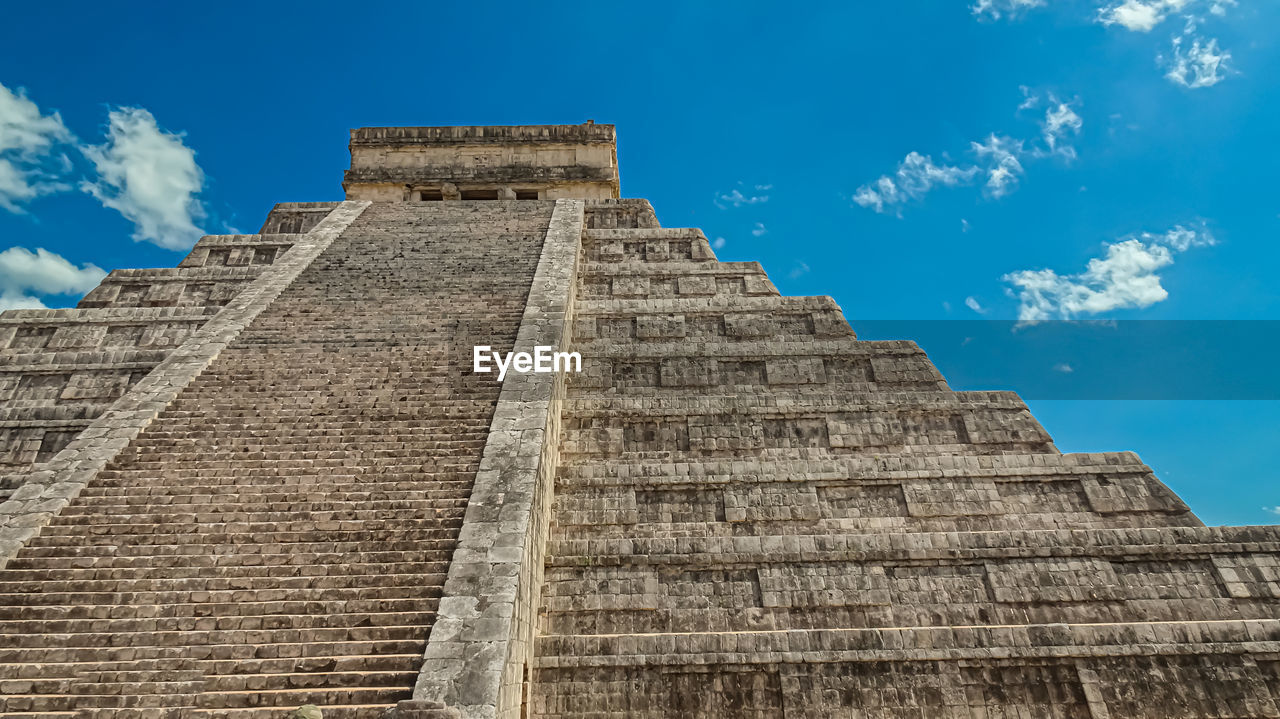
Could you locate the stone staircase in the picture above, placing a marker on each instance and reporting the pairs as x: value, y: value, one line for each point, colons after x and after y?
x: 757, y: 515
x: 279, y: 536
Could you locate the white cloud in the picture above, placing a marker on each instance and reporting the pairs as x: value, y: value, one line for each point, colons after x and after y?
x: 1180, y: 239
x: 737, y: 199
x: 1219, y: 7
x: 974, y: 305
x: 1059, y: 121
x: 759, y: 230
x: 964, y: 225
x: 1125, y: 277
x: 1000, y: 160
x: 27, y: 141
x: 1029, y: 99
x: 1139, y: 15
x: 151, y: 177
x: 24, y: 273
x: 1064, y: 368
x: 995, y: 9
x: 1003, y: 167
x: 915, y: 177
x: 717, y: 243
x: 1201, y: 65
x: 1273, y: 510
x: 799, y: 269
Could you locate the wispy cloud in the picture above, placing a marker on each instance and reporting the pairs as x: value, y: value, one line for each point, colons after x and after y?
x: 1139, y: 15
x: 151, y: 177
x: 759, y: 230
x: 1124, y: 277
x: 996, y: 9
x: 1273, y: 510
x: 1064, y: 368
x: 737, y: 198
x: 798, y: 270
x: 29, y: 161
x: 1202, y: 64
x: 717, y: 243
x: 915, y: 177
x: 974, y: 305
x: 1003, y: 168
x: 999, y: 159
x: 25, y: 274
x: 1060, y: 121
x: 1195, y: 61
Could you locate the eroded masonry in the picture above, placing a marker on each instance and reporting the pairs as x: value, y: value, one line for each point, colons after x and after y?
x: 269, y: 478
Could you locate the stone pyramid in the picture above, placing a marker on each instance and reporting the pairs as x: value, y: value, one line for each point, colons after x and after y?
x: 271, y: 477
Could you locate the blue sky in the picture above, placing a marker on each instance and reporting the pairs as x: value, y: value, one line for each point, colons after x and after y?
x: 1045, y: 159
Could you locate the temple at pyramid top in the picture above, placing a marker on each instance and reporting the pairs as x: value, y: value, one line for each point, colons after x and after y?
x: 515, y: 162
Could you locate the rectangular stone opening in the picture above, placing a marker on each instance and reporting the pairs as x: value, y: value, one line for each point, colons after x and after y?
x: 430, y: 195
x: 479, y: 194
x: 526, y: 194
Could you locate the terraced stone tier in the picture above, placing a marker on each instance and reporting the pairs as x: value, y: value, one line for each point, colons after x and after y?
x: 281, y: 533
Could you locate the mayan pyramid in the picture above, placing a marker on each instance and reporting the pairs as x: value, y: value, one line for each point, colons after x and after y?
x: 269, y: 477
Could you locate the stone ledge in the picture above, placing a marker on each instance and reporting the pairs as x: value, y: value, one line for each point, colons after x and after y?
x: 889, y: 467
x: 721, y: 551
x: 1257, y: 636
x: 484, y: 134
x: 706, y: 305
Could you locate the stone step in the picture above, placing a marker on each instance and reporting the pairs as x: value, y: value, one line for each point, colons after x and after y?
x: 221, y: 505
x: 333, y: 488
x: 213, y: 637
x: 225, y: 623
x: 427, y: 601
x: 350, y: 711
x: 217, y: 590
x: 218, y: 667
x: 310, y: 680
x: 232, y: 652
x: 178, y: 555
x: 211, y: 526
